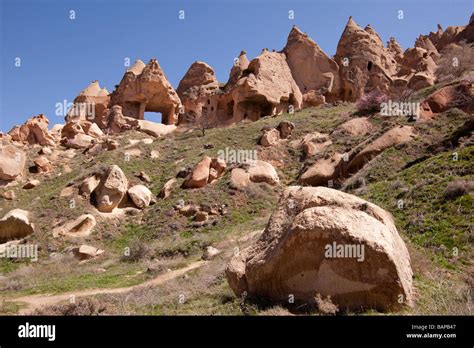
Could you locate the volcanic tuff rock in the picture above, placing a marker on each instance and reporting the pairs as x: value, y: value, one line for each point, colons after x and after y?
x: 111, y: 189
x: 311, y: 68
x: 292, y: 258
x: 90, y: 104
x: 15, y: 225
x: 12, y: 162
x: 33, y: 131
x: 145, y: 88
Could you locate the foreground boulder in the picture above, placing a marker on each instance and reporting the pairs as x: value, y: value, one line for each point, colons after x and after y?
x: 299, y: 253
x: 15, y: 225
x: 12, y: 162
x: 111, y: 189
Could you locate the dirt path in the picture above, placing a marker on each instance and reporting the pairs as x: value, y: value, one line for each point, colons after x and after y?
x: 36, y: 301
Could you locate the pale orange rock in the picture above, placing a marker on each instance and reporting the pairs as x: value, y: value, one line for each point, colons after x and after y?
x: 298, y: 253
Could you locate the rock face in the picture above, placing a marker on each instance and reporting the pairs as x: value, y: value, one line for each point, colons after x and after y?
x: 33, y: 131
x: 90, y: 104
x: 459, y: 95
x: 299, y: 253
x: 12, y: 162
x: 15, y: 225
x: 266, y: 88
x: 365, y: 64
x: 311, y: 68
x: 145, y: 88
x: 196, y: 86
x: 395, y: 136
x: 111, y: 189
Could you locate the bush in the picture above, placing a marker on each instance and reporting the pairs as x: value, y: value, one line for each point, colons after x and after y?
x: 371, y: 102
x: 456, y: 189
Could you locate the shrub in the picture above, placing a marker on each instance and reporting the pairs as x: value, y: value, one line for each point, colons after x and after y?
x: 456, y: 189
x: 371, y: 102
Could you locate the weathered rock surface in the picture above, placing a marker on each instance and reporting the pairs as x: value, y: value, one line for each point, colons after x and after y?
x: 311, y: 68
x: 292, y: 256
x: 395, y: 136
x: 146, y: 88
x: 12, y: 162
x: 15, y: 225
x: 33, y: 131
x: 80, y: 227
x: 111, y: 189
x: 141, y: 196
x: 261, y: 171
x: 323, y: 170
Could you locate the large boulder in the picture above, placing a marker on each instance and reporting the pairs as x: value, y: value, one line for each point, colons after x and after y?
x: 200, y: 174
x: 261, y: 171
x: 111, y: 189
x: 12, y: 162
x: 145, y: 88
x: 15, y: 225
x: 155, y: 129
x: 395, y: 136
x: 322, y: 171
x: 33, y: 131
x: 460, y: 95
x: 357, y: 126
x: 321, y: 241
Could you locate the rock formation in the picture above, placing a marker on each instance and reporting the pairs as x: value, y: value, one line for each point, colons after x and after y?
x: 312, y: 69
x: 90, y: 104
x: 111, y: 189
x: 365, y: 64
x: 33, y: 131
x: 145, y: 88
x: 298, y: 253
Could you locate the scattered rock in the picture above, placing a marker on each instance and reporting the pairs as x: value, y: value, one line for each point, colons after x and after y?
x: 8, y: 195
x: 210, y: 253
x: 262, y: 171
x: 43, y: 165
x: 86, y: 252
x: 140, y: 195
x: 32, y: 183
x: 81, y: 227
x: 167, y: 188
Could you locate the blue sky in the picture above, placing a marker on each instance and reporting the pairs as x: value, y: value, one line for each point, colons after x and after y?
x: 60, y: 56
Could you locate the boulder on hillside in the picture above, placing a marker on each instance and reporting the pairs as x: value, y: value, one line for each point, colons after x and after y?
x: 12, y: 162
x: 270, y: 137
x: 325, y: 242
x: 460, y: 95
x: 322, y: 171
x: 207, y: 171
x: 140, y: 195
x: 111, y: 189
x: 87, y: 252
x: 43, y: 165
x: 80, y: 227
x: 155, y: 129
x: 357, y: 126
x: 15, y: 225
x: 395, y: 136
x: 261, y: 171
